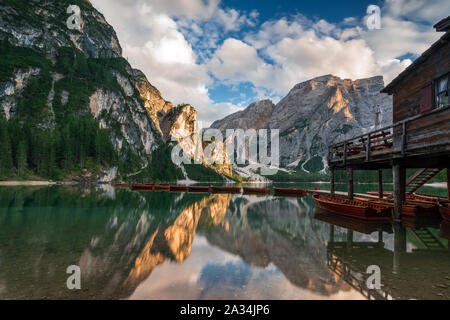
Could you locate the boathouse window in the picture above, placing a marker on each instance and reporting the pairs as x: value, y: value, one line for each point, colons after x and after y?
x: 441, y: 91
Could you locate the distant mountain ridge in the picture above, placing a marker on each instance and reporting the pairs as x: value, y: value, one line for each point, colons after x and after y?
x: 56, y: 81
x: 315, y: 114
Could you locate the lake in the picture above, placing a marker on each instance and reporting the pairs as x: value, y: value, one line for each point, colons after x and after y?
x: 160, y: 245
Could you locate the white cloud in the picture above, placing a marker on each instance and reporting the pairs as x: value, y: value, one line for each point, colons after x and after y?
x: 287, y: 51
x: 234, y: 59
x: 398, y: 38
x: 430, y: 11
x: 152, y: 41
x: 178, y: 44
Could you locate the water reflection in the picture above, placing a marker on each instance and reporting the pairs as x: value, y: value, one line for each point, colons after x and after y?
x: 183, y: 246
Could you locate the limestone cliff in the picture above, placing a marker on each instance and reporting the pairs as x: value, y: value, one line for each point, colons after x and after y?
x: 317, y: 113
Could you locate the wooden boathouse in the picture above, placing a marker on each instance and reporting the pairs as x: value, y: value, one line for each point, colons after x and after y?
x: 419, y: 137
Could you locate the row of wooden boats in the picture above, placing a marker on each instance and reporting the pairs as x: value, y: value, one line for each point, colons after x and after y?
x: 281, y: 192
x: 377, y: 210
x: 411, y: 197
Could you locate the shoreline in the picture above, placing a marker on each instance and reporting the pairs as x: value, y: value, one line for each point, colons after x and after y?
x: 32, y: 183
x: 440, y: 185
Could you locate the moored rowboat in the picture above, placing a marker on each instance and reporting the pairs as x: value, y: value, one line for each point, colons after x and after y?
x: 354, y: 208
x: 121, y: 185
x: 179, y: 189
x: 444, y: 210
x: 412, y: 197
x: 281, y: 192
x: 256, y: 191
x: 420, y: 209
x: 142, y: 187
x: 162, y: 187
x: 234, y: 190
x: 410, y: 208
x: 445, y: 230
x: 199, y: 189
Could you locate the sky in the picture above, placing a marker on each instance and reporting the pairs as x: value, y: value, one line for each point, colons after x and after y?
x: 222, y: 55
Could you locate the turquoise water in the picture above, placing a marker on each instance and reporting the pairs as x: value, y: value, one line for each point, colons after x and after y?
x: 138, y: 245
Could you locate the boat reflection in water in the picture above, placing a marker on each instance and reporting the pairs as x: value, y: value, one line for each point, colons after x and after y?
x: 414, y: 260
x: 174, y: 245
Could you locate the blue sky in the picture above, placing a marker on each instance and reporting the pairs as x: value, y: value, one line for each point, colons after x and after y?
x: 222, y: 55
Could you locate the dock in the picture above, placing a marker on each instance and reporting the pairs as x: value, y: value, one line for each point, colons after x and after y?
x: 419, y: 137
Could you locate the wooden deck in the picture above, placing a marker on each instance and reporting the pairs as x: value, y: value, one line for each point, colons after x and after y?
x: 415, y: 141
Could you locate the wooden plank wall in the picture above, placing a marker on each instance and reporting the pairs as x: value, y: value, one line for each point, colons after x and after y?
x: 408, y: 94
x: 429, y: 130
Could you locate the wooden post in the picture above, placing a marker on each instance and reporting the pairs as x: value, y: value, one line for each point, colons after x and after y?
x: 345, y: 153
x: 332, y: 181
x: 331, y: 233
x: 399, y: 246
x: 399, y: 190
x: 350, y: 183
x: 404, y: 133
x: 448, y: 184
x: 368, y: 147
x: 380, y: 184
x: 349, y: 239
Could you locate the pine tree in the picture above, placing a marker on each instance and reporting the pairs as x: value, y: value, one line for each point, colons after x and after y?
x: 6, y: 163
x: 21, y: 158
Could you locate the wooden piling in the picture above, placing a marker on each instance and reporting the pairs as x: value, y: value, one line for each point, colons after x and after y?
x: 380, y: 184
x: 448, y: 183
x: 332, y: 181
x: 399, y: 173
x: 350, y: 183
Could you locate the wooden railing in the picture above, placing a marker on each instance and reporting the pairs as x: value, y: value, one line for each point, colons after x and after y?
x: 394, y: 138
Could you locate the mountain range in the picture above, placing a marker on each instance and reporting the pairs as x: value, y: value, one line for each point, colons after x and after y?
x: 71, y: 105
x: 69, y: 101
x: 315, y: 114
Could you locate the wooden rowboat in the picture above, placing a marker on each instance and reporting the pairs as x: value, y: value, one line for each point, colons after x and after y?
x: 413, y: 197
x: 256, y: 191
x: 354, y: 208
x: 227, y: 190
x: 199, y: 189
x: 445, y: 230
x: 426, y: 197
x: 444, y: 210
x: 420, y: 209
x: 297, y: 193
x: 415, y: 223
x: 121, y: 185
x: 179, y: 189
x: 162, y: 187
x: 410, y: 208
x: 142, y: 187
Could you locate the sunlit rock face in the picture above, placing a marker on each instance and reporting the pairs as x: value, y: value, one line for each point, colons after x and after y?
x: 179, y: 124
x: 181, y: 234
x: 174, y: 242
x: 315, y: 114
x: 129, y: 111
x: 155, y: 105
x: 326, y: 110
x: 144, y: 264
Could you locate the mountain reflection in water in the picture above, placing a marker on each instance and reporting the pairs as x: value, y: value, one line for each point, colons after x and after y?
x: 182, y: 246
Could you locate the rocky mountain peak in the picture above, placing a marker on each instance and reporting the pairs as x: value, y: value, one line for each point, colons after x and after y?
x: 42, y: 25
x: 255, y: 116
x: 315, y: 114
x: 155, y: 105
